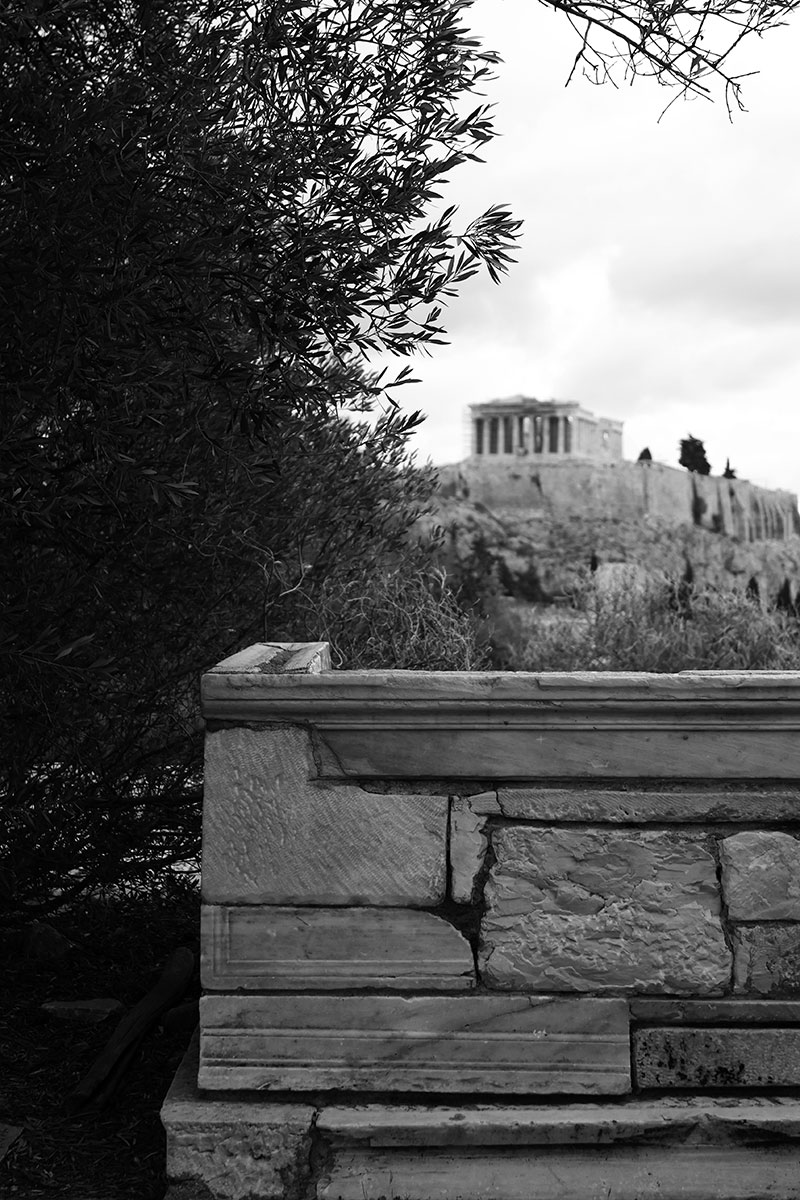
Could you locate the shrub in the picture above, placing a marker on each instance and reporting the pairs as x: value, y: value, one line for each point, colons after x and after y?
x: 642, y: 628
x: 401, y: 615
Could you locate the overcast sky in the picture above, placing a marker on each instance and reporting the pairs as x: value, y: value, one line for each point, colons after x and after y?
x: 658, y: 279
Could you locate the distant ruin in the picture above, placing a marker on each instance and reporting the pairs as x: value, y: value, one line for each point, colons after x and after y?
x: 555, y: 458
x: 522, y: 426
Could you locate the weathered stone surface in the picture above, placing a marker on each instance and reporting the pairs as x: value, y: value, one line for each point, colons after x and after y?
x: 681, y: 1057
x: 761, y: 875
x: 490, y: 746
x: 271, y: 658
x: 501, y: 1044
x: 84, y: 1012
x: 599, y: 805
x: 273, y: 835
x: 767, y: 959
x: 594, y: 910
x: 676, y: 1118
x: 469, y: 842
x: 272, y: 948
x: 658, y: 1011
x: 234, y: 1148
x: 619, y: 1173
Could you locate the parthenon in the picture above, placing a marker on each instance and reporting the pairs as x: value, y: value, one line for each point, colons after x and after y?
x: 550, y: 429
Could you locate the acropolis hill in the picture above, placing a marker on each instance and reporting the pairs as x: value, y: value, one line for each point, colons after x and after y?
x: 552, y: 475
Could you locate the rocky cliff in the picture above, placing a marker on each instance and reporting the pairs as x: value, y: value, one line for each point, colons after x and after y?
x: 541, y: 528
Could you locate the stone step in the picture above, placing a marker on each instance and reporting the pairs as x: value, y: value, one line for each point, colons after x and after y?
x: 680, y: 1120
x: 673, y: 1149
x: 619, y: 1173
x: 249, y: 1144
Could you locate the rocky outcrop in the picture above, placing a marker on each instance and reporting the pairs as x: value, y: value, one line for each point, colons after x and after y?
x: 540, y: 554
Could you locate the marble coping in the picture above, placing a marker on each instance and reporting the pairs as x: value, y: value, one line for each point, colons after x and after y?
x: 518, y: 725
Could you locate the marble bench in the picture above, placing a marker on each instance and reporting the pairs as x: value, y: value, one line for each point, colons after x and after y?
x: 494, y: 935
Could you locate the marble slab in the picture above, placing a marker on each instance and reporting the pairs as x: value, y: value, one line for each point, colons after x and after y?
x: 494, y: 1044
x: 269, y: 948
x: 273, y: 834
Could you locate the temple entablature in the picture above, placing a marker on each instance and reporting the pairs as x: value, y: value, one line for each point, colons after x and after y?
x: 522, y: 426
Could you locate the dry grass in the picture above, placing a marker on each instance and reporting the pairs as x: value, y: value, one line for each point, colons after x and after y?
x: 650, y: 627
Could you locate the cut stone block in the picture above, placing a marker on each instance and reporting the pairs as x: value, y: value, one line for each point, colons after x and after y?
x: 658, y: 1011
x: 273, y: 658
x: 761, y: 876
x: 681, y: 1119
x: 469, y: 842
x: 681, y: 1057
x: 478, y: 1044
x: 767, y: 959
x: 274, y: 948
x: 596, y: 910
x: 273, y: 835
x: 600, y: 805
x: 618, y: 1173
x: 232, y: 1149
x: 466, y: 750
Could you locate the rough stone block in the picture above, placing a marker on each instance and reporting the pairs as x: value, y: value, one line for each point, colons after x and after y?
x: 469, y: 842
x: 670, y: 807
x: 767, y: 959
x: 273, y: 835
x: 617, y: 1173
x: 232, y: 1149
x: 596, y: 910
x: 761, y: 876
x: 274, y: 948
x: 681, y: 1057
x: 500, y: 1044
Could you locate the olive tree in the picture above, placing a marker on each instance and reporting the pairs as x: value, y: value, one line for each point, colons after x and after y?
x: 211, y: 214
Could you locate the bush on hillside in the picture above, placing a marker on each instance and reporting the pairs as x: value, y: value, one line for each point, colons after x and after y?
x: 642, y: 628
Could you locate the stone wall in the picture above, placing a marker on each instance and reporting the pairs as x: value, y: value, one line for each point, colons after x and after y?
x: 626, y: 491
x: 441, y: 912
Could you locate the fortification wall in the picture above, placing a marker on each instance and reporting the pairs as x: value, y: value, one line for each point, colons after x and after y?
x: 627, y: 491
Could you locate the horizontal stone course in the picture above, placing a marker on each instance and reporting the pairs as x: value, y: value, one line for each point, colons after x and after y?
x: 599, y: 910
x: 668, y: 1010
x: 500, y: 1044
x: 704, y: 1120
x: 631, y: 806
x: 278, y: 948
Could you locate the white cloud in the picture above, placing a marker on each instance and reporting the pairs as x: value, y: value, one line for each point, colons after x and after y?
x: 659, y: 274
